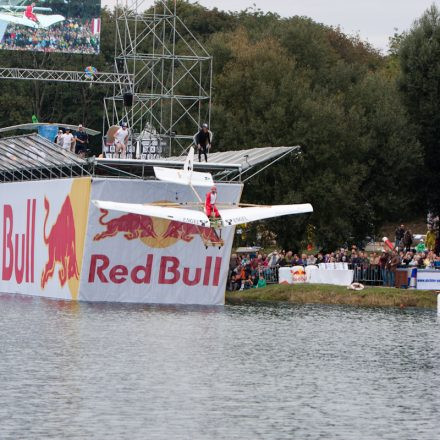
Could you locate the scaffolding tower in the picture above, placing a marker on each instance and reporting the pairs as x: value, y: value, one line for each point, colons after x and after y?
x: 169, y: 95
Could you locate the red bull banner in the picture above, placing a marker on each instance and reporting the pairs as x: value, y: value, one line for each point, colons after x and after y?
x: 55, y: 243
x: 43, y: 228
x: 139, y: 259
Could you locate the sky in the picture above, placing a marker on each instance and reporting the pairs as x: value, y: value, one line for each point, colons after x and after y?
x: 373, y: 20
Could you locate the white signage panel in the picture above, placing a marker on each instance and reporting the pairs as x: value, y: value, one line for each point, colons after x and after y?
x: 428, y: 280
x: 141, y: 259
x: 42, y: 227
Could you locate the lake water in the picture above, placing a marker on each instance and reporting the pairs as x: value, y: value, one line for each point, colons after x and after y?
x: 238, y: 372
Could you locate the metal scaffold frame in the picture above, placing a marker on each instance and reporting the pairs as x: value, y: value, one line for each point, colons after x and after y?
x: 171, y: 75
x: 64, y: 76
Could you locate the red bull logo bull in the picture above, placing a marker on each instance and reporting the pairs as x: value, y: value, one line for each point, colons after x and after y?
x: 187, y: 232
x: 133, y: 227
x: 156, y: 233
x: 61, y: 244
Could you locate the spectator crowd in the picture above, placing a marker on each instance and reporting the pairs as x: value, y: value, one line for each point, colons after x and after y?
x: 73, y: 36
x: 250, y: 270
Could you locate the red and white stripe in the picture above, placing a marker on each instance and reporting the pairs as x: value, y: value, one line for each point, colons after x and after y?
x: 96, y: 26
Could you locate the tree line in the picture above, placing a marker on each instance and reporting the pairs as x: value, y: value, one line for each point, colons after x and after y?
x: 367, y: 123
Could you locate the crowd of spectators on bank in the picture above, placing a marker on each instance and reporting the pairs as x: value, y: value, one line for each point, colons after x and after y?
x: 73, y: 36
x: 248, y: 270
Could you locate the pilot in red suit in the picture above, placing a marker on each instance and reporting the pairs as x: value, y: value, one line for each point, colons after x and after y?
x: 29, y: 13
x: 211, y: 199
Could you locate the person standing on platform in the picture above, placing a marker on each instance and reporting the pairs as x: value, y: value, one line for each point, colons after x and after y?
x: 68, y: 141
x: 203, y: 141
x: 407, y: 240
x: 59, y: 138
x: 430, y: 239
x: 400, y: 232
x: 121, y: 139
x: 82, y: 141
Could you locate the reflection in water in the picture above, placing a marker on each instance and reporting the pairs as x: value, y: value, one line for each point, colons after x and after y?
x: 72, y: 370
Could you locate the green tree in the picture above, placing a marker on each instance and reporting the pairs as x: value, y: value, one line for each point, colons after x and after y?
x: 345, y: 113
x: 420, y: 83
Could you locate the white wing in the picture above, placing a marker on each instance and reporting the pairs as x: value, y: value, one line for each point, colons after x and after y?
x: 180, y: 215
x: 182, y: 177
x: 9, y: 18
x: 189, y: 162
x: 187, y: 176
x: 45, y: 20
x: 238, y: 216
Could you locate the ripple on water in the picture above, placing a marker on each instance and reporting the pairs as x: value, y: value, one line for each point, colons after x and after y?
x: 275, y: 372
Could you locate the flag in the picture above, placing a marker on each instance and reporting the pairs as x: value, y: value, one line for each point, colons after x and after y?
x: 96, y: 26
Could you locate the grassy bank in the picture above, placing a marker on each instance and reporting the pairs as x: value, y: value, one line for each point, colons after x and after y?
x: 335, y: 295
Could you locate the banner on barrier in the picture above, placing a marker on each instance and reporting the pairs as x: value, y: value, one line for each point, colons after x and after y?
x: 428, y: 280
x: 57, y: 244
x: 132, y: 258
x: 42, y: 228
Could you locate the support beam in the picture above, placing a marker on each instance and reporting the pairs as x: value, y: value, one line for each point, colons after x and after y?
x: 65, y: 76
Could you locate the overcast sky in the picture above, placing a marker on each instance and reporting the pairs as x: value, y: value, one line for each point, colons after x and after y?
x: 374, y: 20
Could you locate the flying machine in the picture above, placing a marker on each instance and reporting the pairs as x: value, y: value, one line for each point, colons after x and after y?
x: 13, y: 11
x: 194, y: 213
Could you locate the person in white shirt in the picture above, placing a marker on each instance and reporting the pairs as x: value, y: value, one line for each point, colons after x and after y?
x: 121, y: 139
x: 68, y: 141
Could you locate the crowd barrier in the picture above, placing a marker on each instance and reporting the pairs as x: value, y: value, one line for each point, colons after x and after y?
x: 346, y: 273
x: 370, y: 276
x: 336, y: 275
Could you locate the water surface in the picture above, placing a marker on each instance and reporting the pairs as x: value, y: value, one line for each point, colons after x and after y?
x: 243, y: 372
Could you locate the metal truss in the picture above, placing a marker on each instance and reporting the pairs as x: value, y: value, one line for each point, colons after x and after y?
x: 65, y: 76
x: 171, y: 74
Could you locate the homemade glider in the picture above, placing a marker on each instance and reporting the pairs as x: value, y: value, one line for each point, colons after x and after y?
x: 194, y: 214
x: 13, y: 12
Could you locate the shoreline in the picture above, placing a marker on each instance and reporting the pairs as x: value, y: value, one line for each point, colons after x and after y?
x: 336, y: 295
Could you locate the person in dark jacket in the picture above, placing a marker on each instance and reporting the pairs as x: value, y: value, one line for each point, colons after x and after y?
x: 393, y: 263
x: 407, y: 240
x: 400, y: 232
x: 203, y: 141
x: 383, y: 261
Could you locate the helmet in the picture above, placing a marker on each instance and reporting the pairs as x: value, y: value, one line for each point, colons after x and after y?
x: 205, y: 126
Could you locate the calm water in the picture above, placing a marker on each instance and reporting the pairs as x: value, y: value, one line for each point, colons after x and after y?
x: 272, y: 372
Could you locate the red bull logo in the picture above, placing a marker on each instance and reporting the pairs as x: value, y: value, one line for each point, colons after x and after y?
x: 19, y: 247
x: 133, y: 227
x: 61, y: 244
x: 155, y: 233
x: 298, y: 274
x: 187, y: 232
x: 171, y: 272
